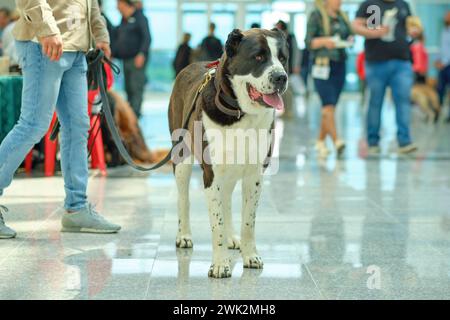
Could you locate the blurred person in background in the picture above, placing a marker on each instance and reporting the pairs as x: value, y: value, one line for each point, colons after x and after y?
x: 8, y: 41
x: 388, y: 63
x: 211, y: 47
x: 184, y: 54
x: 293, y: 68
x: 139, y: 5
x: 132, y: 45
x: 5, y: 16
x: 305, y: 67
x: 443, y: 64
x: 361, y: 71
x: 326, y: 24
x: 109, y: 25
x: 424, y: 95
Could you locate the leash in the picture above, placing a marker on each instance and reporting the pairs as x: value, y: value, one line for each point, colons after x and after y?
x: 95, y: 59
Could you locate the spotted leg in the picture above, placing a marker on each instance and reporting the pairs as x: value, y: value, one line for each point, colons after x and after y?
x: 251, y: 192
x: 233, y: 241
x: 220, y: 267
x: 183, y: 173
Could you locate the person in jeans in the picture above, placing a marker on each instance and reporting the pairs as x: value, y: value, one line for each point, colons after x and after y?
x: 388, y: 64
x: 132, y: 45
x: 443, y: 64
x: 326, y: 24
x: 51, y: 48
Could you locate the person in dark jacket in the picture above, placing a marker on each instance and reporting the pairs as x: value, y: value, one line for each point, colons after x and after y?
x: 132, y: 45
x: 211, y: 47
x: 183, y: 57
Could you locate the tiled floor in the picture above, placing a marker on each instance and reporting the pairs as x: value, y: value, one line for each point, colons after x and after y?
x: 358, y: 228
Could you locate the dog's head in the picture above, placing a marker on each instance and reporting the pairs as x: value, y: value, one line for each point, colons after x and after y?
x: 256, y: 66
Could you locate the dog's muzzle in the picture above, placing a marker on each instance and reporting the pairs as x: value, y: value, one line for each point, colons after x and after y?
x: 279, y: 80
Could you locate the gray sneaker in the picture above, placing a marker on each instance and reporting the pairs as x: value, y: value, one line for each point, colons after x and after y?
x: 87, y: 220
x: 5, y: 232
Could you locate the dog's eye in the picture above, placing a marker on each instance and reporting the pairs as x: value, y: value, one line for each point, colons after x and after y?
x: 259, y: 58
x: 282, y: 59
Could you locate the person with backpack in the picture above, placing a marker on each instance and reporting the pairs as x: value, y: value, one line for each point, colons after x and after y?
x: 329, y: 32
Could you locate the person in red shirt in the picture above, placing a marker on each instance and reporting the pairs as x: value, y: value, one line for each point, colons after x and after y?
x: 424, y: 95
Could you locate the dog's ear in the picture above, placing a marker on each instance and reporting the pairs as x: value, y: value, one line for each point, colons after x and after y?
x: 234, y: 39
x: 281, y: 33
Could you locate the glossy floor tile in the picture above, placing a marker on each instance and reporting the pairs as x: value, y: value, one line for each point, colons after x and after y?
x: 356, y: 228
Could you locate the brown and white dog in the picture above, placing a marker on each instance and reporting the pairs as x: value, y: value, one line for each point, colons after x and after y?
x: 252, y: 72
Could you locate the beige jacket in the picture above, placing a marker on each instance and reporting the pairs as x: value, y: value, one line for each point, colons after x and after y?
x: 77, y: 21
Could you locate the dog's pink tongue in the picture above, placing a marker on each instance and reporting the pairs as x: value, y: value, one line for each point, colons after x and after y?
x: 274, y: 100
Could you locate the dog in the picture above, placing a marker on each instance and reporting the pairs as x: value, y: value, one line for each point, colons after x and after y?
x: 252, y: 73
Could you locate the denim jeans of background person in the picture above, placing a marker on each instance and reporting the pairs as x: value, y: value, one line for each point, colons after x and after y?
x: 54, y: 74
x: 443, y: 64
x: 132, y: 44
x: 388, y: 64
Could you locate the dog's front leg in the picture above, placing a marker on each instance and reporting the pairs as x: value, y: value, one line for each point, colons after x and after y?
x: 233, y: 241
x: 220, y: 267
x: 251, y: 192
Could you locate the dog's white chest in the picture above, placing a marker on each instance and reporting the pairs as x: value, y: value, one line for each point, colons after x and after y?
x: 240, y: 147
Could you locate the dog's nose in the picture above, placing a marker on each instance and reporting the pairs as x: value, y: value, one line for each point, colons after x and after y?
x: 279, y: 79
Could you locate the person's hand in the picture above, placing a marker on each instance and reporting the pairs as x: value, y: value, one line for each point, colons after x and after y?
x: 139, y: 60
x: 104, y: 46
x: 380, y: 32
x: 439, y: 65
x: 329, y: 43
x: 52, y: 47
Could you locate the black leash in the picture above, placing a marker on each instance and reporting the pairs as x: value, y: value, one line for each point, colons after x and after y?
x: 95, y: 59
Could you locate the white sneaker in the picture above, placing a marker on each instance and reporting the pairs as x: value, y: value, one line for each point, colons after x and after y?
x: 322, y: 149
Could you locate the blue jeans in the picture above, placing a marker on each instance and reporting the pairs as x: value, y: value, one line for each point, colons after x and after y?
x: 398, y: 75
x: 47, y: 84
x: 443, y: 83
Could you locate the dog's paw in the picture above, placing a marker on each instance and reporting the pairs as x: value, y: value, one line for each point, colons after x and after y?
x: 221, y: 268
x: 220, y: 271
x: 253, y: 262
x: 234, y: 243
x: 184, y: 242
